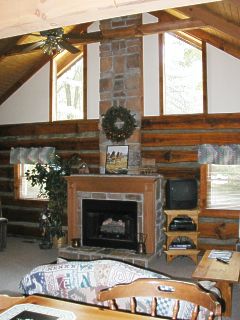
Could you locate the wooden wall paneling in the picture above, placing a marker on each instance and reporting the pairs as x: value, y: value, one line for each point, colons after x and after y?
x: 199, y: 121
x: 56, y: 127
x: 204, y: 77
x: 178, y: 138
x: 68, y: 137
x: 218, y: 228
x: 169, y: 155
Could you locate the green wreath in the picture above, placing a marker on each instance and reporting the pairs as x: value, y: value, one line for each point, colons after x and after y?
x: 110, y: 119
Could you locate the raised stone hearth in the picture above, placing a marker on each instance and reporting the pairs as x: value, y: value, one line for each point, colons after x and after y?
x: 146, y: 191
x: 94, y: 253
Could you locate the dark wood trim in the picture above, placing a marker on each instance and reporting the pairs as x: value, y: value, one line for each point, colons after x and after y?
x: 122, y: 33
x: 51, y: 89
x: 85, y: 79
x: 161, y: 73
x: 210, y: 18
x: 198, y: 121
x: 204, y: 77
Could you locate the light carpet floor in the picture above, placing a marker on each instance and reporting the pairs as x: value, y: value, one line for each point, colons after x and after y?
x: 22, y: 255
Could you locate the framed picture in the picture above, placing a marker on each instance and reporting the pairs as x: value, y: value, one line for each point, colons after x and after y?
x: 117, y: 160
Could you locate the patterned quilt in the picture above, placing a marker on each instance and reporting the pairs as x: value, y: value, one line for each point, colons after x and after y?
x: 81, y: 281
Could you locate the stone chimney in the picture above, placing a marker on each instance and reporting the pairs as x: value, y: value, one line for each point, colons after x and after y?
x: 121, y: 84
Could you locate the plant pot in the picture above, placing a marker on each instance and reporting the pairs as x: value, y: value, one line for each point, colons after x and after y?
x: 60, y: 242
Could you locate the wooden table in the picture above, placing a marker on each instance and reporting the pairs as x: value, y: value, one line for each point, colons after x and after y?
x: 83, y: 311
x: 223, y: 274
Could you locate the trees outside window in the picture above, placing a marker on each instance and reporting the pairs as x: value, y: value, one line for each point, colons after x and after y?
x: 24, y: 189
x: 183, y: 83
x: 223, y: 187
x: 69, y: 92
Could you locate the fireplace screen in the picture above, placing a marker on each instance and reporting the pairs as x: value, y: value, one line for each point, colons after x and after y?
x: 109, y: 223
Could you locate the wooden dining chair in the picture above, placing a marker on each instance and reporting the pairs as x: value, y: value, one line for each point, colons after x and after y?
x: 8, y: 301
x: 170, y: 289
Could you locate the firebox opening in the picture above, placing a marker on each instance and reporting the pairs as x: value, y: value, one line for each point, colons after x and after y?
x: 109, y: 223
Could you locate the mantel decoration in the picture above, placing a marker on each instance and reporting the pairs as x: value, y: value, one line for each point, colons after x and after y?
x: 118, y: 123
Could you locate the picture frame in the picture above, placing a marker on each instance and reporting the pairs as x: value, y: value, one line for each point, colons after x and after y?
x: 117, y: 159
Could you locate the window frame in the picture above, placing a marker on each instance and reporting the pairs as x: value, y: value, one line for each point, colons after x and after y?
x: 204, y: 211
x: 189, y: 40
x: 17, y: 186
x: 60, y: 64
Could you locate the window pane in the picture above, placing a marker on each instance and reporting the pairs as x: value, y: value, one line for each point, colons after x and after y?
x: 183, y: 77
x: 27, y: 191
x: 70, y: 93
x: 223, y: 187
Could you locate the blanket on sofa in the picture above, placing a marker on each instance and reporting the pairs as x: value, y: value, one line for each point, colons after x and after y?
x: 81, y: 281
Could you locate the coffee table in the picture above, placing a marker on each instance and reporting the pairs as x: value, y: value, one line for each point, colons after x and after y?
x: 223, y: 274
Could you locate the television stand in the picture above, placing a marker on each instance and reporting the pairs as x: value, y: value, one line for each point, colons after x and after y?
x: 182, y: 242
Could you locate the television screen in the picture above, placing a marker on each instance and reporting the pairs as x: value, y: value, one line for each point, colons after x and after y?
x: 181, y: 194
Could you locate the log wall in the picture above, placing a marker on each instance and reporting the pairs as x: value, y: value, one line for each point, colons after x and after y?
x: 172, y: 140
x: 68, y: 137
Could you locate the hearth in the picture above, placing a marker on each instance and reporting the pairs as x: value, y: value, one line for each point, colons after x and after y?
x: 145, y: 191
x: 109, y: 223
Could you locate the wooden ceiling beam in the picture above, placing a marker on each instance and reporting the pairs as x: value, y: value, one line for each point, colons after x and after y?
x: 216, y: 21
x: 216, y: 42
x: 130, y: 32
x: 25, y: 16
x: 234, y: 2
x: 203, y: 35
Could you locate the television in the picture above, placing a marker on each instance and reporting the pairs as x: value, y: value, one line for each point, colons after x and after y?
x: 181, y: 194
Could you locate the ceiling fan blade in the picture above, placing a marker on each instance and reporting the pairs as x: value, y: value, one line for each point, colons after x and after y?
x: 31, y: 46
x: 68, y: 46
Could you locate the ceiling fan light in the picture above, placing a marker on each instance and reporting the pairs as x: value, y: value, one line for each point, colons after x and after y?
x: 51, y: 46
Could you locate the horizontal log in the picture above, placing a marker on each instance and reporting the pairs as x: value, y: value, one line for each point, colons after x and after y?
x: 178, y: 172
x: 14, y: 229
x: 171, y: 156
x: 229, y: 214
x: 6, y: 186
x: 44, y: 128
x: 199, y: 121
x: 6, y: 172
x: 188, y: 138
x: 59, y: 144
x: 218, y: 230
x: 19, y: 214
x: 23, y: 203
x: 91, y: 158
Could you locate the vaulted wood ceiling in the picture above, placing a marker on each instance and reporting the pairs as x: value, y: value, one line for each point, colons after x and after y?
x: 217, y: 23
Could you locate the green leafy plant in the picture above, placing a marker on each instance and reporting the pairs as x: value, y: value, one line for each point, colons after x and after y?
x: 53, y: 186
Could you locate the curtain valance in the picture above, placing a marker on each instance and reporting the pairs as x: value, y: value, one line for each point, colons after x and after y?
x: 31, y: 155
x: 214, y: 154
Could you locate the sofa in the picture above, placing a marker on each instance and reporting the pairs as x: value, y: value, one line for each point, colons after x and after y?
x: 81, y: 281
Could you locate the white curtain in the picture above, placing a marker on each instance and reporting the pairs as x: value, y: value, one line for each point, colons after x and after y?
x: 32, y: 155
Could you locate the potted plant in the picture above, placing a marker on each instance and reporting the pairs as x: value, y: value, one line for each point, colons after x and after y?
x: 53, y: 186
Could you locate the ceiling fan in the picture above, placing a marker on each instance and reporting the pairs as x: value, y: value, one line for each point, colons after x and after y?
x: 55, y: 41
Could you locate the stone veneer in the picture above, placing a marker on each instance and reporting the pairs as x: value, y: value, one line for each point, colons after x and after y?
x: 121, y: 83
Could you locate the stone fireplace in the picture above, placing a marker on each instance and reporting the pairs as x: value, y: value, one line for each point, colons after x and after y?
x: 121, y: 84
x: 145, y: 193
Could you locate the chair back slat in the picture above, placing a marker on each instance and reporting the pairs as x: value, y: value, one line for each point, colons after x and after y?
x: 165, y: 288
x: 175, y: 309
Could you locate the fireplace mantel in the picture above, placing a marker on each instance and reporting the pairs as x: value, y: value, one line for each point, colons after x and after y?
x: 147, y: 185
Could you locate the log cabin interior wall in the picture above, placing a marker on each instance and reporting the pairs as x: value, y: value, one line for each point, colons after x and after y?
x: 171, y: 140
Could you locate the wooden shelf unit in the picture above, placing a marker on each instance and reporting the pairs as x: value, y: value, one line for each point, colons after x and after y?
x: 171, y: 235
